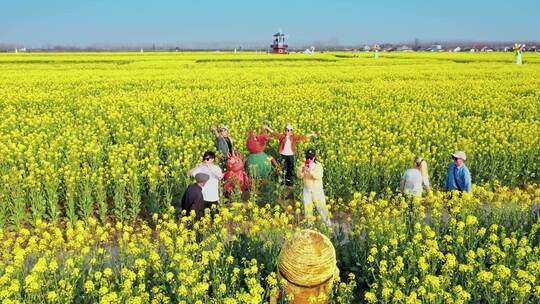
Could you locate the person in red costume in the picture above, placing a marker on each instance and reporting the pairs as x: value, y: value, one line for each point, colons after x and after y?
x: 259, y: 164
x: 287, y: 149
x: 235, y: 175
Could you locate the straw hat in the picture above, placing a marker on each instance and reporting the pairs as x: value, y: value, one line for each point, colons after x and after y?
x: 307, y: 262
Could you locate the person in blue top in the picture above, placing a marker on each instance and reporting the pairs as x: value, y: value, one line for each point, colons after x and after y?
x: 458, y: 176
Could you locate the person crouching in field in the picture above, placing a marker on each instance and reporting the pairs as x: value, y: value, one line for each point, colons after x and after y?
x: 287, y: 149
x: 192, y: 199
x: 416, y: 178
x: 458, y: 176
x: 311, y: 172
x: 211, y: 189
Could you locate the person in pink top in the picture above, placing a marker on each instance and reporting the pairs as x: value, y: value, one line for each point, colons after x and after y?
x: 287, y: 149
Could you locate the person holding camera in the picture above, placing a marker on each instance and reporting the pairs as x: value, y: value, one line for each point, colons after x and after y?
x: 211, y: 189
x: 311, y: 172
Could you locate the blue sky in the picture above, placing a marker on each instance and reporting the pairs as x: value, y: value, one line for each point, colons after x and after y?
x: 88, y: 22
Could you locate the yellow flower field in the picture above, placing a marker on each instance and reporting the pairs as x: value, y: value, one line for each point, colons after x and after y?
x: 95, y: 146
x: 454, y: 250
x: 77, y: 129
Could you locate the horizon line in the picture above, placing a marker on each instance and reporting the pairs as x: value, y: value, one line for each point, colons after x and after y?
x: 246, y: 45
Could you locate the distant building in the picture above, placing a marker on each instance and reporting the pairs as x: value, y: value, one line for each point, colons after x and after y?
x: 486, y: 48
x: 279, y: 46
x: 404, y: 48
x: 434, y: 48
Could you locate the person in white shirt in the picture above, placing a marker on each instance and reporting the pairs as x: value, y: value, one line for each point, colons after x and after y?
x: 211, y: 189
x: 416, y: 178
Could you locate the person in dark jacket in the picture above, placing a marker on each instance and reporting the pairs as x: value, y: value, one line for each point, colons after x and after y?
x: 224, y: 142
x: 193, y: 197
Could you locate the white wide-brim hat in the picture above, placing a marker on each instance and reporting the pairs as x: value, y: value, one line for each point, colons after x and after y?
x: 460, y: 154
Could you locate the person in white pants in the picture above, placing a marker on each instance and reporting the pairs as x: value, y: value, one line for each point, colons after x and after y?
x: 311, y: 172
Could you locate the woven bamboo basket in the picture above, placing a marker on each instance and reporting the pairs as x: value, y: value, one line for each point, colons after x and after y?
x: 307, y: 262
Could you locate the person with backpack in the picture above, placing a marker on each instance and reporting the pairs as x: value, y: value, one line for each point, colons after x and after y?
x: 458, y: 176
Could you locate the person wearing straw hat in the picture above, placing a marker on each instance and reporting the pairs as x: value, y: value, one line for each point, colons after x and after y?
x: 416, y: 178
x: 458, y: 176
x: 311, y: 172
x: 193, y: 196
x: 224, y: 142
x: 287, y: 149
x: 308, y: 266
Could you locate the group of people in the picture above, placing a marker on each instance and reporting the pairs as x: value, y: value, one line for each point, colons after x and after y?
x: 204, y: 193
x: 416, y: 179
